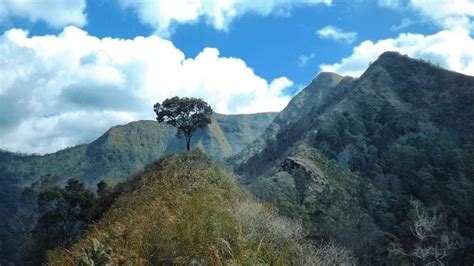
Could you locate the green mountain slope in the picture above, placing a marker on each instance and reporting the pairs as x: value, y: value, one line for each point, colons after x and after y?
x: 291, y: 123
x: 189, y: 210
x: 404, y: 133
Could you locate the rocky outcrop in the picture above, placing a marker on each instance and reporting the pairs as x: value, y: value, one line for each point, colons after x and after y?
x: 307, y: 176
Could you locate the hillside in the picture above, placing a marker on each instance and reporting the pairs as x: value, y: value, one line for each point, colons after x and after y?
x: 400, y: 136
x: 121, y: 152
x: 189, y: 210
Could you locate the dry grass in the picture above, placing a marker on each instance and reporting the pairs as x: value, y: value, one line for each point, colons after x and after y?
x: 190, y: 211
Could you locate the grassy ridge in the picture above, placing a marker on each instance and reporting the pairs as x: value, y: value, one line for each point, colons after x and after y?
x: 188, y: 209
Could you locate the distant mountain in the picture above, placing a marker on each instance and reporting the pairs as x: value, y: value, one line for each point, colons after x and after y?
x: 124, y: 150
x: 118, y: 154
x: 352, y: 157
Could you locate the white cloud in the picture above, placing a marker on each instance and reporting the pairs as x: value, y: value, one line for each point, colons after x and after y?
x: 57, y: 13
x: 449, y: 14
x: 334, y: 33
x: 304, y: 59
x: 52, y: 87
x: 162, y: 15
x: 452, y: 49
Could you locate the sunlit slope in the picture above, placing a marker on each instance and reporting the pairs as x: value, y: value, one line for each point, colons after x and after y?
x: 187, y: 209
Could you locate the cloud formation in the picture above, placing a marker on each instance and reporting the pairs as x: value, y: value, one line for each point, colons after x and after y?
x: 452, y: 49
x: 55, y: 13
x: 162, y: 15
x: 449, y: 14
x: 334, y: 33
x: 53, y: 87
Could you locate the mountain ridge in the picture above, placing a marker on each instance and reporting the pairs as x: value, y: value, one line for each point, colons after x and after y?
x: 401, y: 132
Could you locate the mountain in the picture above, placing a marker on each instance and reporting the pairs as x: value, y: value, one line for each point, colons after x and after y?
x: 361, y: 161
x: 124, y: 150
x: 118, y: 154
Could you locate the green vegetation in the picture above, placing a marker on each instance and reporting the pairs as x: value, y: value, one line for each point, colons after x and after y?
x: 188, y: 210
x: 327, y: 198
x: 403, y: 131
x: 97, y: 254
x: 63, y: 214
x: 185, y: 114
x: 411, y: 143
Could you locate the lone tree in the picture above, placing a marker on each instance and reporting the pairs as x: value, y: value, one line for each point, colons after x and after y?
x: 185, y: 114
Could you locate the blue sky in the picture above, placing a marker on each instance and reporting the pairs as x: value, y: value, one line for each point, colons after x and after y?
x: 272, y: 45
x: 67, y: 65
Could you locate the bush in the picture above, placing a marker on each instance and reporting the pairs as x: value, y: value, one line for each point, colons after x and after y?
x: 97, y: 254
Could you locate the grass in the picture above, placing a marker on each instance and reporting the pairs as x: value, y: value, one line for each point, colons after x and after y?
x: 190, y: 210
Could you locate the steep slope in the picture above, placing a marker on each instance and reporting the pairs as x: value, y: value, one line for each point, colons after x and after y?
x: 121, y: 152
x: 291, y: 123
x: 404, y: 129
x: 186, y: 209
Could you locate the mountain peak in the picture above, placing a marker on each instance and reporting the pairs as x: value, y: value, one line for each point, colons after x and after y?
x: 402, y: 67
x: 391, y: 58
x: 327, y: 78
x: 402, y: 63
x: 392, y: 54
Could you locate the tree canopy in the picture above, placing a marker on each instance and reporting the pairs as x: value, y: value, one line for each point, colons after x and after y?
x: 185, y: 114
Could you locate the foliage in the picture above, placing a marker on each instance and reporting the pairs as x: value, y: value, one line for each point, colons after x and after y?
x: 63, y: 215
x: 403, y: 130
x: 405, y: 157
x: 185, y: 114
x: 96, y: 254
x: 329, y: 203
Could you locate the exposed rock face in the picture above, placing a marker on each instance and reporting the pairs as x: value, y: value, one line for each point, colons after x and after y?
x: 307, y: 176
x: 294, y: 163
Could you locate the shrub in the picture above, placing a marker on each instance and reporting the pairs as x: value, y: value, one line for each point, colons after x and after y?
x: 97, y: 254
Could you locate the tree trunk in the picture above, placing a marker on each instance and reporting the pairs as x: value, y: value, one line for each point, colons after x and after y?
x: 188, y: 142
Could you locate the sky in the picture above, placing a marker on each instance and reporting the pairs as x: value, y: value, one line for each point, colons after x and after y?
x: 71, y: 69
